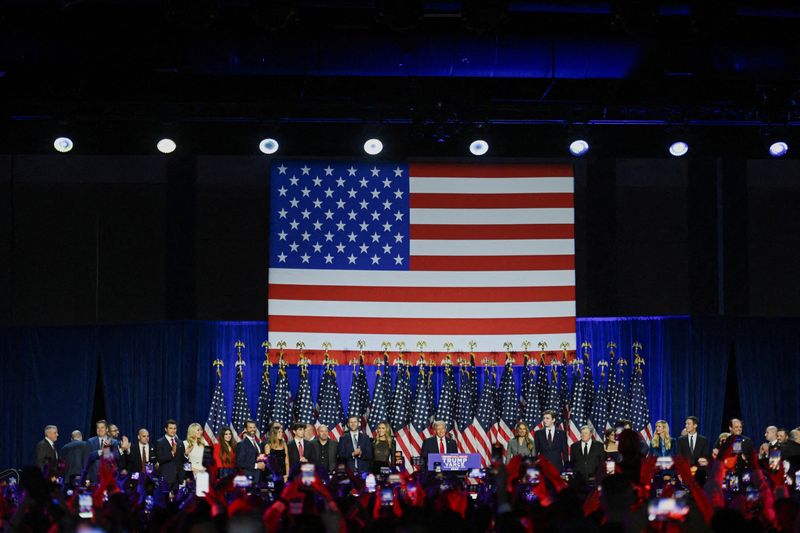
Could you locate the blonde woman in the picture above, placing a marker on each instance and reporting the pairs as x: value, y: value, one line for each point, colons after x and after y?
x: 662, y: 444
x: 195, y: 447
x: 277, y: 451
x: 522, y: 443
x: 383, y: 447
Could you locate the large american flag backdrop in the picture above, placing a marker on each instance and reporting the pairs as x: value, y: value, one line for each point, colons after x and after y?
x: 444, y: 252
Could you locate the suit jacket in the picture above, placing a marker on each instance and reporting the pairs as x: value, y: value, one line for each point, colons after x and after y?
x: 45, y: 454
x: 132, y: 460
x: 309, y: 452
x: 170, y: 467
x: 700, y: 448
x: 514, y: 448
x: 73, y: 454
x: 344, y: 451
x: 431, y: 445
x: 587, y: 466
x: 246, y: 455
x: 331, y: 447
x: 93, y: 447
x: 557, y: 452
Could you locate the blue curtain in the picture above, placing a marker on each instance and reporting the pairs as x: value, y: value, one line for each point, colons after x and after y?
x: 156, y: 371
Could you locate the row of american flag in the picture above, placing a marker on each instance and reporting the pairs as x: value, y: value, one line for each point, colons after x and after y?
x: 478, y: 420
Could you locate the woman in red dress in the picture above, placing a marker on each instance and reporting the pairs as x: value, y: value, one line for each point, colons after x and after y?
x: 224, y: 460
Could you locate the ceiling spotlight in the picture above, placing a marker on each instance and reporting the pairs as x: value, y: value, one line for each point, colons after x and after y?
x: 578, y: 147
x: 373, y: 146
x: 166, y: 146
x: 778, y: 149
x: 478, y: 147
x: 268, y: 146
x: 63, y: 144
x: 678, y: 148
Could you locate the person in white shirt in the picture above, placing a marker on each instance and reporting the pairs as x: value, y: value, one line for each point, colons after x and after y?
x: 195, y: 447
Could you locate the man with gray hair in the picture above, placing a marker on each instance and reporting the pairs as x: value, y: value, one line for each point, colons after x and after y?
x: 46, y: 448
x: 790, y: 452
x: 74, y: 456
x: 439, y: 443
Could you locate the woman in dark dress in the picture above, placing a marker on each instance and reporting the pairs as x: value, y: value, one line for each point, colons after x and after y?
x: 383, y: 447
x: 275, y: 448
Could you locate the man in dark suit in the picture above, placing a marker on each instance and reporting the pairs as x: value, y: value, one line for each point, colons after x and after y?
x: 299, y: 449
x: 98, y: 446
x: 46, y: 453
x: 137, y: 457
x: 171, y: 455
x: 551, y: 442
x: 355, y: 448
x: 74, y: 456
x: 735, y: 440
x: 247, y: 452
x: 325, y: 449
x: 587, y: 457
x: 439, y: 443
x: 693, y: 446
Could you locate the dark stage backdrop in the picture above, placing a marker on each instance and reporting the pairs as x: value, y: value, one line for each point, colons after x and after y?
x: 156, y: 371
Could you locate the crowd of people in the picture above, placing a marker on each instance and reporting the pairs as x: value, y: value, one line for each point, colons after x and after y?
x: 253, y: 482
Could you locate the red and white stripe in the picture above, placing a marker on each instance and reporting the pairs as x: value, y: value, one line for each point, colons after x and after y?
x: 479, y: 441
x: 492, y: 260
x: 208, y: 435
x: 647, y: 433
x: 573, y: 432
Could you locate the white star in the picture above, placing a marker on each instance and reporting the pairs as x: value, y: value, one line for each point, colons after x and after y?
x: 387, y: 205
x: 387, y: 183
x: 295, y: 202
x: 294, y: 224
x: 351, y: 171
x: 340, y: 226
x: 305, y: 170
x: 293, y: 180
x: 351, y: 259
x: 294, y: 246
x: 282, y: 235
x: 340, y: 182
x: 398, y: 172
x: 376, y: 237
x: 375, y: 259
x: 364, y: 248
x: 375, y: 193
x: 282, y: 169
x: 306, y: 213
x: 282, y: 191
x: 329, y: 258
x: 352, y: 237
x: 387, y: 227
x: 282, y: 213
x: 352, y: 193
x: 305, y: 258
x: 328, y: 193
x: 317, y: 247
x: 305, y: 235
x: 305, y: 191
x: 387, y: 248
x: 317, y: 225
x: 398, y: 215
x: 364, y: 204
x: 317, y: 203
x: 282, y: 257
x: 329, y: 236
x: 375, y: 215
x: 328, y: 215
x: 375, y: 171
x: 340, y: 204
x: 317, y: 181
x: 398, y: 260
x: 364, y: 226
x: 352, y: 215
x: 398, y: 237
x: 363, y: 182
x: 340, y: 248
x: 398, y: 194
x: 328, y: 171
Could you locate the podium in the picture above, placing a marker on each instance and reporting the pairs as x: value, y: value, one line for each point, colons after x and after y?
x: 454, y: 462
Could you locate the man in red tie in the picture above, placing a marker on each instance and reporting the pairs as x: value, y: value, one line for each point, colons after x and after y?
x: 439, y: 443
x: 171, y: 455
x: 300, y: 450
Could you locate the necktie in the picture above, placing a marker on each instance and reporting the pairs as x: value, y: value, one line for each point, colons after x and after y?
x: 585, y: 449
x: 300, y: 448
x: 691, y: 444
x: 144, y: 456
x: 441, y: 446
x: 549, y: 436
x: 255, y: 445
x: 172, y: 444
x: 54, y: 450
x: 355, y: 445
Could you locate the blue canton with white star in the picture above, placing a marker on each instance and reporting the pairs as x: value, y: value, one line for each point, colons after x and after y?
x: 343, y: 216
